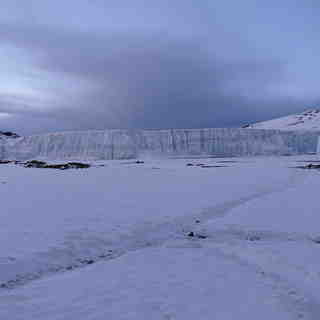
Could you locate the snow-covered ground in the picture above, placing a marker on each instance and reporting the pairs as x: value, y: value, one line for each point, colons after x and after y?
x: 112, y: 242
x: 307, y: 120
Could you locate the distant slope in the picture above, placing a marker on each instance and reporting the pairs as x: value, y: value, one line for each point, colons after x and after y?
x: 307, y: 120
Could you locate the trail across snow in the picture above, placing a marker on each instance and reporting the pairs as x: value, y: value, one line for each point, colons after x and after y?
x: 134, y: 221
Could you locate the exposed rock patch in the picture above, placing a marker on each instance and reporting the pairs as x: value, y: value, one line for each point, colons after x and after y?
x: 9, y: 134
x: 309, y: 166
x: 62, y: 166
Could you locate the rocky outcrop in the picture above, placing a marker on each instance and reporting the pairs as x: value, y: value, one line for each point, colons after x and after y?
x: 60, y: 166
x: 8, y: 134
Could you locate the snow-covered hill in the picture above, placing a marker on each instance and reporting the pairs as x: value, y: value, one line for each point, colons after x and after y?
x: 307, y: 120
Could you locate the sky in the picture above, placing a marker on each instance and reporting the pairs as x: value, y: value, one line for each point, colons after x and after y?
x: 96, y: 64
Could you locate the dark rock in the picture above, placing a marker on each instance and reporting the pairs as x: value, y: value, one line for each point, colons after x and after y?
x: 57, y: 166
x: 208, y: 166
x: 86, y: 261
x: 63, y: 166
x: 6, y: 161
x: 253, y: 237
x: 310, y: 166
x: 191, y: 234
x: 197, y: 221
x: 78, y: 165
x: 35, y: 164
x: 316, y: 240
x: 9, y: 134
x: 139, y: 162
x: 200, y: 236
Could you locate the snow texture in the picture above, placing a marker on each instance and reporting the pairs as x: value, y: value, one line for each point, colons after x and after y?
x: 129, y: 144
x: 308, y: 120
x: 113, y: 242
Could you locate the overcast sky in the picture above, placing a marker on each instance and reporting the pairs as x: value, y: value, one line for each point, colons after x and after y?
x: 92, y: 64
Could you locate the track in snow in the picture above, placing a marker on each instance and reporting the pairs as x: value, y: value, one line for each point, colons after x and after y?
x: 100, y: 249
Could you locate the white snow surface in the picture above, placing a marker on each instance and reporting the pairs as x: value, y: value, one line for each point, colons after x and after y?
x: 309, y: 120
x: 112, y: 242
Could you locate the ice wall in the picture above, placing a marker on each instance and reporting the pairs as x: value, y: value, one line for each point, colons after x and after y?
x: 128, y: 144
x: 318, y: 145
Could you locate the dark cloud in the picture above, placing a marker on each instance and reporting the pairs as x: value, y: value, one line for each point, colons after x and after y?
x: 103, y: 77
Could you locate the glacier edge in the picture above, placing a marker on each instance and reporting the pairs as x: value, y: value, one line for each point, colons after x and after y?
x: 130, y: 144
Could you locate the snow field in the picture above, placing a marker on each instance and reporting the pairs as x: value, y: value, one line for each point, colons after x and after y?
x: 259, y: 260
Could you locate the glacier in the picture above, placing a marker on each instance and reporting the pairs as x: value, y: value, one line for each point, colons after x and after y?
x: 131, y: 144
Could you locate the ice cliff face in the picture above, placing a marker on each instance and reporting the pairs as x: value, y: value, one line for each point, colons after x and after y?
x: 5, y: 136
x: 129, y: 144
